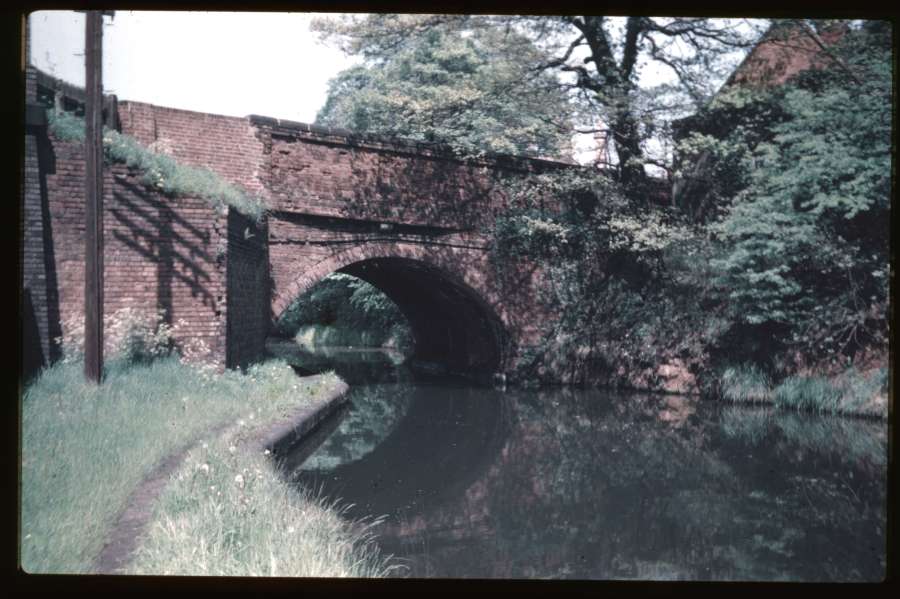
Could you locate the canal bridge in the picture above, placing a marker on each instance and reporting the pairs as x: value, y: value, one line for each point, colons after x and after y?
x: 410, y: 218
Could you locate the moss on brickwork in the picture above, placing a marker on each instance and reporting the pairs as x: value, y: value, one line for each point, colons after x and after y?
x: 161, y: 171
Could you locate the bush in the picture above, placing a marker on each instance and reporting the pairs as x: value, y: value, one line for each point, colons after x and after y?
x: 129, y: 334
x: 806, y: 240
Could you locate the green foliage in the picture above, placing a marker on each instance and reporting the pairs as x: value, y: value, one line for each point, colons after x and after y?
x: 66, y: 126
x: 129, y: 334
x: 460, y: 91
x: 344, y: 310
x: 161, y: 171
x: 807, y: 239
x: 793, y: 273
x: 581, y: 215
x: 530, y: 61
x: 604, y: 272
x: 716, y: 156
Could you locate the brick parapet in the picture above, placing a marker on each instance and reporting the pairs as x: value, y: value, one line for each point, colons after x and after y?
x: 228, y: 146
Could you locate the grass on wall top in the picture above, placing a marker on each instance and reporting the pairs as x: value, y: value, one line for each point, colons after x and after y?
x: 160, y: 171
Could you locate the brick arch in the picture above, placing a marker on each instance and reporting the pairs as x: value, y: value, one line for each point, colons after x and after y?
x: 451, y: 313
x: 369, y: 251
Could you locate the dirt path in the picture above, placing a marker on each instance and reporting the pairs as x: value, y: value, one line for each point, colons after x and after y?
x: 277, y: 435
x: 123, y: 539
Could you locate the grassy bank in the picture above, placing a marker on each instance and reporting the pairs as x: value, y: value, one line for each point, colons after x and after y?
x: 227, y: 512
x: 849, y: 393
x: 85, y: 448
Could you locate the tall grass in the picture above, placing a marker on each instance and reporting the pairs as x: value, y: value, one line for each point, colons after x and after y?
x: 813, y: 393
x: 851, y: 392
x: 85, y: 447
x: 228, y: 512
x: 745, y: 383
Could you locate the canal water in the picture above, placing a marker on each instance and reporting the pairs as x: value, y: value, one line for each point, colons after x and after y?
x: 597, y: 484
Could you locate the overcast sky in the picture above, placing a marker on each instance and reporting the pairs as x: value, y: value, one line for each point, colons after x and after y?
x: 234, y: 64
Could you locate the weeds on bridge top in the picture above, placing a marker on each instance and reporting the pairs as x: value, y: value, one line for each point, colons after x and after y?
x: 161, y: 171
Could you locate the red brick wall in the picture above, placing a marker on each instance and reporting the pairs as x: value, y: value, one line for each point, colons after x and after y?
x: 226, y: 145
x: 313, y: 171
x: 159, y: 252
x: 39, y: 291
x: 227, y: 277
x: 783, y: 54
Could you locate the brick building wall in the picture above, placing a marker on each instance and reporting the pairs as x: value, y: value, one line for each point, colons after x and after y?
x: 784, y: 52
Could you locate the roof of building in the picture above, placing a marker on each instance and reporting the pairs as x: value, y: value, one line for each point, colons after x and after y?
x: 784, y: 50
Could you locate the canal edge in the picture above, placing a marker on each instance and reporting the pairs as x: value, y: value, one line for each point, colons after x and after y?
x: 285, y: 433
x: 276, y: 437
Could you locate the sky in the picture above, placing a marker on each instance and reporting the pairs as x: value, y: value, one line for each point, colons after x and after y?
x: 233, y: 64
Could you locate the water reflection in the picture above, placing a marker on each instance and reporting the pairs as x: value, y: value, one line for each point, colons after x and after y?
x: 605, y: 485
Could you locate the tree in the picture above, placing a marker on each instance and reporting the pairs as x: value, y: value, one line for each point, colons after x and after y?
x: 443, y: 87
x: 806, y: 241
x: 596, y: 60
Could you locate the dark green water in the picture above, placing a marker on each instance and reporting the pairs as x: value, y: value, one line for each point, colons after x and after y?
x: 594, y: 484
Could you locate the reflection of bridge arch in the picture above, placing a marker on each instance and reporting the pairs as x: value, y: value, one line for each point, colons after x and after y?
x: 446, y: 305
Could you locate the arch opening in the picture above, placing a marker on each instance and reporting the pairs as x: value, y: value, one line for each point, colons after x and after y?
x: 454, y: 330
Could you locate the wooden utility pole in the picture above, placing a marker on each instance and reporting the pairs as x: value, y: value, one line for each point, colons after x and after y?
x: 93, y: 178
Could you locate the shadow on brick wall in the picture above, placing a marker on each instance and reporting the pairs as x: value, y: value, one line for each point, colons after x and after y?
x: 148, y: 226
x: 41, y: 309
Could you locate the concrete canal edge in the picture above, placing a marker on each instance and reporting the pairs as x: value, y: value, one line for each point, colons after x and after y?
x: 281, y: 435
x: 278, y: 437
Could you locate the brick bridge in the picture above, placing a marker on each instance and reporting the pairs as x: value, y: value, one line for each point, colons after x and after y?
x: 408, y: 218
